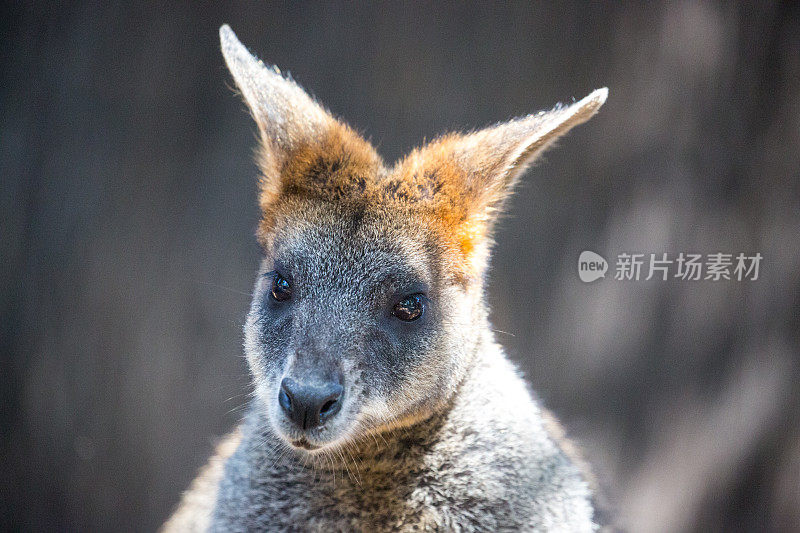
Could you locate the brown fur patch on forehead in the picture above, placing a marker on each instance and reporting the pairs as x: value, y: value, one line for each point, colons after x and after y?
x: 340, y: 168
x: 344, y: 170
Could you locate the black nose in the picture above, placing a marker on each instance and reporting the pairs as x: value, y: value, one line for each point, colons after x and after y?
x: 310, y: 404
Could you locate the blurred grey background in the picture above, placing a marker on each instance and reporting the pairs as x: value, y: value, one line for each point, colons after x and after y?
x: 128, y: 212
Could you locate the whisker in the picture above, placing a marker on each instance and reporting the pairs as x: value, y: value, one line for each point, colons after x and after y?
x: 249, y: 295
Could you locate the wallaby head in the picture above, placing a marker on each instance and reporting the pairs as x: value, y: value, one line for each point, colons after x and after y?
x: 368, y: 309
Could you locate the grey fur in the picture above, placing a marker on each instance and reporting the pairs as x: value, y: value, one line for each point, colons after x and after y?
x: 437, y: 432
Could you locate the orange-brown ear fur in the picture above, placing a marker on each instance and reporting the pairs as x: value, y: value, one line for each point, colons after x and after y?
x: 466, y: 178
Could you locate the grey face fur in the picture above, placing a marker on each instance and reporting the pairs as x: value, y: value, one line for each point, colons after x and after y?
x: 347, y: 272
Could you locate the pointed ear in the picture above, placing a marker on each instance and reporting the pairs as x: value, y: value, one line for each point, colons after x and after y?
x: 304, y: 149
x: 285, y: 114
x: 467, y: 177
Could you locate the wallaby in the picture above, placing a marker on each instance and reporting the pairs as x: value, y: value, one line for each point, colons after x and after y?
x: 382, y: 401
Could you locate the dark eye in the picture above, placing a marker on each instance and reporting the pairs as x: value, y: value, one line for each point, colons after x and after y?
x: 409, y: 308
x: 281, y: 288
